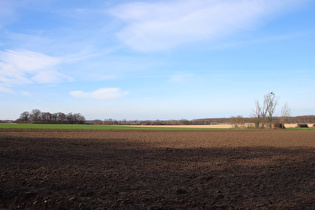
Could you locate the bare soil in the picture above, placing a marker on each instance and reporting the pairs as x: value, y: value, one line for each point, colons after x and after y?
x: 76, y: 169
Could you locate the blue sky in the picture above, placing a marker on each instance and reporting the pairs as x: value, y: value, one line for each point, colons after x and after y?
x: 167, y: 59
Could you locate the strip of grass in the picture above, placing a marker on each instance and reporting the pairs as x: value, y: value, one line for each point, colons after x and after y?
x: 309, y: 128
x: 98, y: 127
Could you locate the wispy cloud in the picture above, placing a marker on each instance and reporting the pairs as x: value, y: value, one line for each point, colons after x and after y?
x: 163, y: 25
x: 103, y: 93
x: 26, y: 67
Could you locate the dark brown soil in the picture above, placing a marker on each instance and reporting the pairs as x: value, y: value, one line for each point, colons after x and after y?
x: 67, y: 169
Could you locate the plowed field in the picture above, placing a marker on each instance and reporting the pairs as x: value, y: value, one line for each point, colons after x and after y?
x: 76, y: 169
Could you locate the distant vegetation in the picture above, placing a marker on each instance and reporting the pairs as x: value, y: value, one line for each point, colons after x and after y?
x: 238, y: 120
x: 38, y: 117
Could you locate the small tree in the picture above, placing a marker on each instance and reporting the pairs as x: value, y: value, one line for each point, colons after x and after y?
x: 285, y: 113
x: 265, y: 112
x: 271, y: 103
x: 260, y: 116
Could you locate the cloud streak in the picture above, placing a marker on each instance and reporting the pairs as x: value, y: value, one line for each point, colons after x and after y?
x: 164, y: 25
x: 25, y: 67
x: 102, y: 93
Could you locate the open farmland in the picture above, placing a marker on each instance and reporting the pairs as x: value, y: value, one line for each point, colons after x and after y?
x: 134, y: 169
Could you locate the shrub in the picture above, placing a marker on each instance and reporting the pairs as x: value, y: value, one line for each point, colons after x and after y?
x: 278, y: 125
x: 302, y: 125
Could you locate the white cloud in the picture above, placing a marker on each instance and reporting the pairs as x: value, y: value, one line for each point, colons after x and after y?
x: 163, y: 25
x: 103, y: 93
x: 26, y: 67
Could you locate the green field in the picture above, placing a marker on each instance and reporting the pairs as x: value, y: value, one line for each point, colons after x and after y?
x: 309, y: 128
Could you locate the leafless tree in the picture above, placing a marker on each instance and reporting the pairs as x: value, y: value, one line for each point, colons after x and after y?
x: 54, y: 118
x: 78, y: 118
x: 24, y: 117
x: 46, y: 117
x: 264, y: 113
x: 285, y: 113
x: 61, y: 117
x: 271, y: 102
x: 260, y: 116
x: 36, y: 115
x: 70, y: 118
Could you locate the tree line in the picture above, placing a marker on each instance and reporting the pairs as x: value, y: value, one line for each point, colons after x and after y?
x: 36, y: 116
x: 208, y: 121
x: 237, y: 121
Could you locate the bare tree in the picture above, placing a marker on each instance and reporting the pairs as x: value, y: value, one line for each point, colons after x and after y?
x: 258, y: 114
x: 78, y: 118
x: 270, y: 102
x: 24, y: 117
x: 54, y: 118
x: 36, y: 115
x: 285, y: 113
x: 61, y: 117
x: 265, y: 112
x: 46, y: 117
x: 70, y: 118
